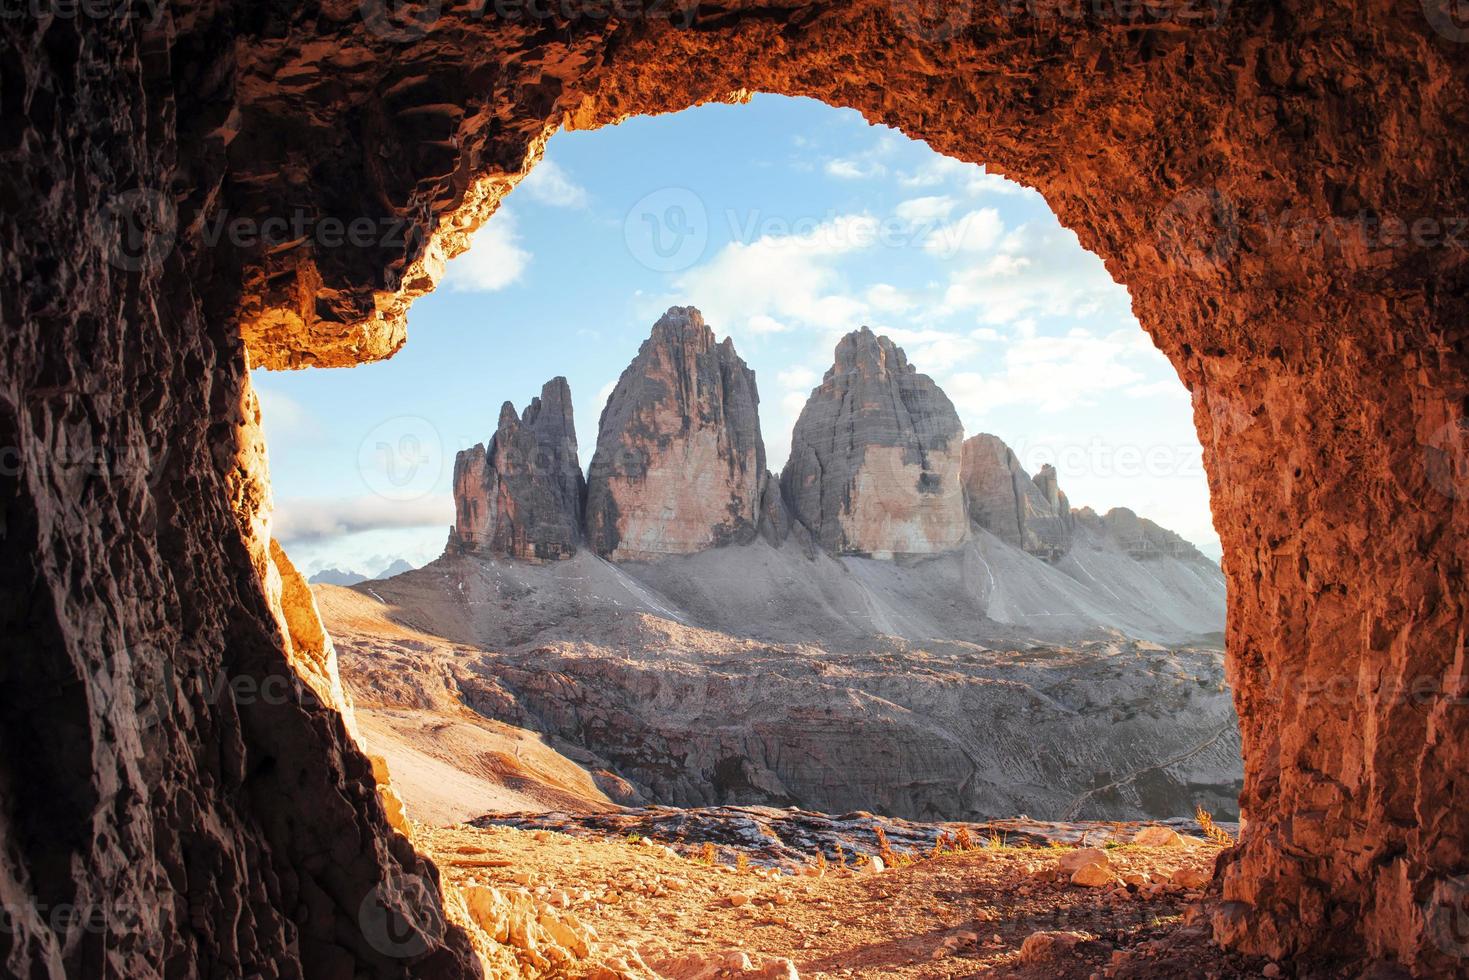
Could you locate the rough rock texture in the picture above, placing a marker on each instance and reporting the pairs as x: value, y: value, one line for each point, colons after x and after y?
x: 1003, y: 499
x: 1281, y: 186
x: 680, y: 462
x: 633, y: 672
x: 875, y: 456
x: 523, y: 496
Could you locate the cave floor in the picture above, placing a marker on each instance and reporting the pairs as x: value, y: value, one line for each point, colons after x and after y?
x: 960, y: 914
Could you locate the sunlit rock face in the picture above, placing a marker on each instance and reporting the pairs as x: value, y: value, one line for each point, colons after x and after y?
x: 522, y: 496
x: 680, y: 462
x: 1030, y: 513
x: 875, y: 456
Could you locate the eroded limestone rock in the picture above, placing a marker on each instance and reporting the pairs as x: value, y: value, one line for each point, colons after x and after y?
x: 1002, y: 498
x: 522, y: 497
x: 875, y: 456
x: 1139, y: 537
x: 680, y: 463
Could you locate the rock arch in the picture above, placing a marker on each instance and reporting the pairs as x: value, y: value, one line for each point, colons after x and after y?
x: 1281, y: 187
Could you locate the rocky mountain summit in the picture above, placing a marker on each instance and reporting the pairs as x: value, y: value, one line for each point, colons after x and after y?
x: 522, y: 496
x: 876, y: 456
x: 879, y: 468
x: 680, y: 462
x: 1024, y: 511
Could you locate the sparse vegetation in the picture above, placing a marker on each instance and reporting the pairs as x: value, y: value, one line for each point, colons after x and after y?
x: 634, y: 838
x: 707, y: 854
x: 742, y: 862
x: 1212, y: 830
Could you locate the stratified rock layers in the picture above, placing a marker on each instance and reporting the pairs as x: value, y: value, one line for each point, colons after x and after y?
x: 680, y: 462
x: 875, y: 456
x: 522, y: 497
x: 1030, y: 513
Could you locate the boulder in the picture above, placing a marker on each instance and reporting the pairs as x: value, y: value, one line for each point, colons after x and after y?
x: 876, y: 456
x: 522, y: 496
x: 680, y: 462
x: 1158, y: 837
x: 1092, y: 876
x: 1081, y: 857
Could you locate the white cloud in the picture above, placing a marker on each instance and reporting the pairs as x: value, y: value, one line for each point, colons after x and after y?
x: 848, y: 168
x: 547, y: 183
x: 494, y: 260
x: 888, y: 299
x: 1036, y: 272
x: 320, y: 518
x: 284, y: 418
x: 788, y: 279
x: 762, y: 323
x: 1051, y: 373
x: 975, y: 231
x: 970, y: 178
x: 922, y: 210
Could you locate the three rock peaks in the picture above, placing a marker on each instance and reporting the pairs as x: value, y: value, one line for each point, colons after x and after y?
x: 878, y: 467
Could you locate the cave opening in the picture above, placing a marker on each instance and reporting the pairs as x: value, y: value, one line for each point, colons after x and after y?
x: 1307, y: 161
x: 789, y: 228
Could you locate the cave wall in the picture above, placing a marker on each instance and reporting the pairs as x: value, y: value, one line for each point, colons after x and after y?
x: 1220, y: 159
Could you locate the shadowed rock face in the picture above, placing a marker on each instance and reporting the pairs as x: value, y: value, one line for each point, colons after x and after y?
x: 1328, y: 373
x: 522, y: 497
x: 680, y: 462
x: 875, y: 456
x: 1003, y: 499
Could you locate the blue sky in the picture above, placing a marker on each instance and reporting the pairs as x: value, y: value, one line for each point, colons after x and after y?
x: 788, y: 223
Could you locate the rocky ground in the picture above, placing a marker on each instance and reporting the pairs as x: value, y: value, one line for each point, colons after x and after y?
x: 597, y: 670
x: 983, y: 908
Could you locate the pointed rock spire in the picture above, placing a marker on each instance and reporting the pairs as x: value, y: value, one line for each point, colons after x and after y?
x: 523, y: 496
x: 679, y: 459
x: 875, y: 456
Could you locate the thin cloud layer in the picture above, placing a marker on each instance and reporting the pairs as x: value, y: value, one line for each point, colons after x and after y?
x: 317, y: 519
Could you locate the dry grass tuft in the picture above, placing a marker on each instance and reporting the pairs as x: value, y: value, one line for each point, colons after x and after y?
x: 1212, y: 830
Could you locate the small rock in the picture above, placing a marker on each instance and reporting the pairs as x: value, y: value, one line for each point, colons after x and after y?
x: 1188, y: 878
x: 1092, y: 876
x: 738, y: 899
x: 1041, y: 947
x: 1081, y: 857
x: 1271, y: 970
x: 1158, y: 837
